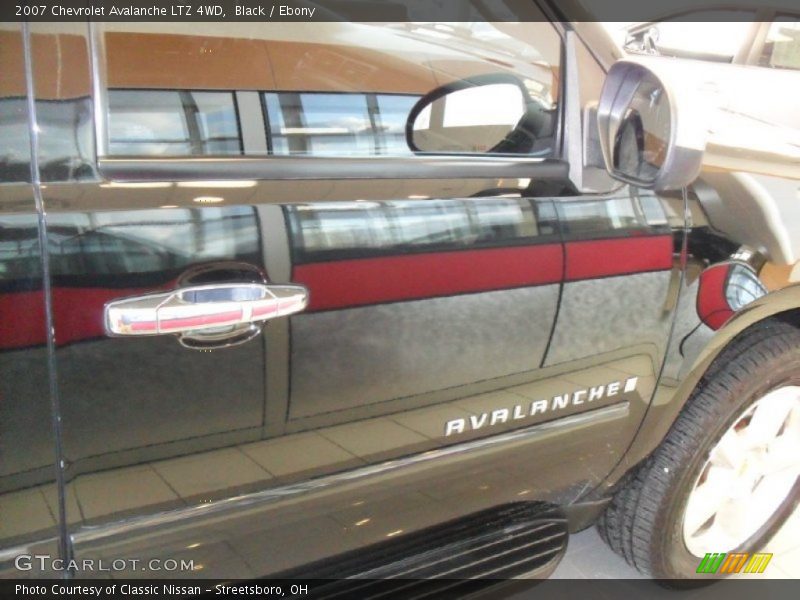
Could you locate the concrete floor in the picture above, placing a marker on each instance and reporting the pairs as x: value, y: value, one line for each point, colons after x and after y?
x: 589, y: 558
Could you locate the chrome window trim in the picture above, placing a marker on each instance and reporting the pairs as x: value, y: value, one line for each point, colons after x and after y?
x: 309, y: 168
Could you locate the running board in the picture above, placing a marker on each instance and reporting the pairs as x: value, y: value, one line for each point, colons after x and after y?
x: 449, y: 560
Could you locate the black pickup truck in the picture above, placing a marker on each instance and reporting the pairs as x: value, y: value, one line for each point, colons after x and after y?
x: 362, y: 299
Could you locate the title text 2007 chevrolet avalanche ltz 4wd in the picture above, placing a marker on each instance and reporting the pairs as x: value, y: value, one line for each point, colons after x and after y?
x: 362, y: 299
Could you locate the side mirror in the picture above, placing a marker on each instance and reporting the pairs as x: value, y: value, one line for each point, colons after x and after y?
x: 479, y: 115
x: 648, y: 137
x: 661, y: 119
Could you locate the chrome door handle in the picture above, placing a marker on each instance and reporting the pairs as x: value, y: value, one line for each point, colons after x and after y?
x: 202, y: 308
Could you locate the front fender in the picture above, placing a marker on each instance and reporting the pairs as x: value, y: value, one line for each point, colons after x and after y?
x: 672, y: 394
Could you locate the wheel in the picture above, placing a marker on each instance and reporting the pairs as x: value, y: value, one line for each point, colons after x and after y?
x: 727, y: 474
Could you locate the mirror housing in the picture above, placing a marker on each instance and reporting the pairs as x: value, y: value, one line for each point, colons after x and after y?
x: 721, y: 117
x: 650, y: 137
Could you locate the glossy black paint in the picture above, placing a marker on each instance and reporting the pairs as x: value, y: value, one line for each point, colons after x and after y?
x: 135, y: 406
x: 30, y: 516
x: 441, y: 289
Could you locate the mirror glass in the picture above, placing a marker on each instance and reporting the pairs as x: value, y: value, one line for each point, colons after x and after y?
x: 470, y: 120
x: 641, y: 142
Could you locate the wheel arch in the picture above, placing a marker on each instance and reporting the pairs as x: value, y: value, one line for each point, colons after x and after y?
x: 783, y: 304
x: 671, y: 396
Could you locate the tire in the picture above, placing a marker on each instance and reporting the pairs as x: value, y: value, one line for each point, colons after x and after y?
x: 645, y: 521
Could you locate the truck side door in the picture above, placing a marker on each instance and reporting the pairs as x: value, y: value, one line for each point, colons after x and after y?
x: 415, y: 388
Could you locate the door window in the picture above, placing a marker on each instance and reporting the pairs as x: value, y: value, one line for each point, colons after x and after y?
x: 324, y: 89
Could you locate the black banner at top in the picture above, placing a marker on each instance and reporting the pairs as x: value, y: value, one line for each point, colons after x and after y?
x: 391, y: 10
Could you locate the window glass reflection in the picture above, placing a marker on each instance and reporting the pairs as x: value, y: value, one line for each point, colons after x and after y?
x: 623, y: 216
x: 66, y: 139
x: 711, y: 35
x: 782, y: 46
x: 150, y: 242
x: 342, y: 124
x: 176, y: 123
x: 15, y: 147
x: 337, y: 230
x: 392, y: 114
x: 66, y: 145
x: 327, y: 89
